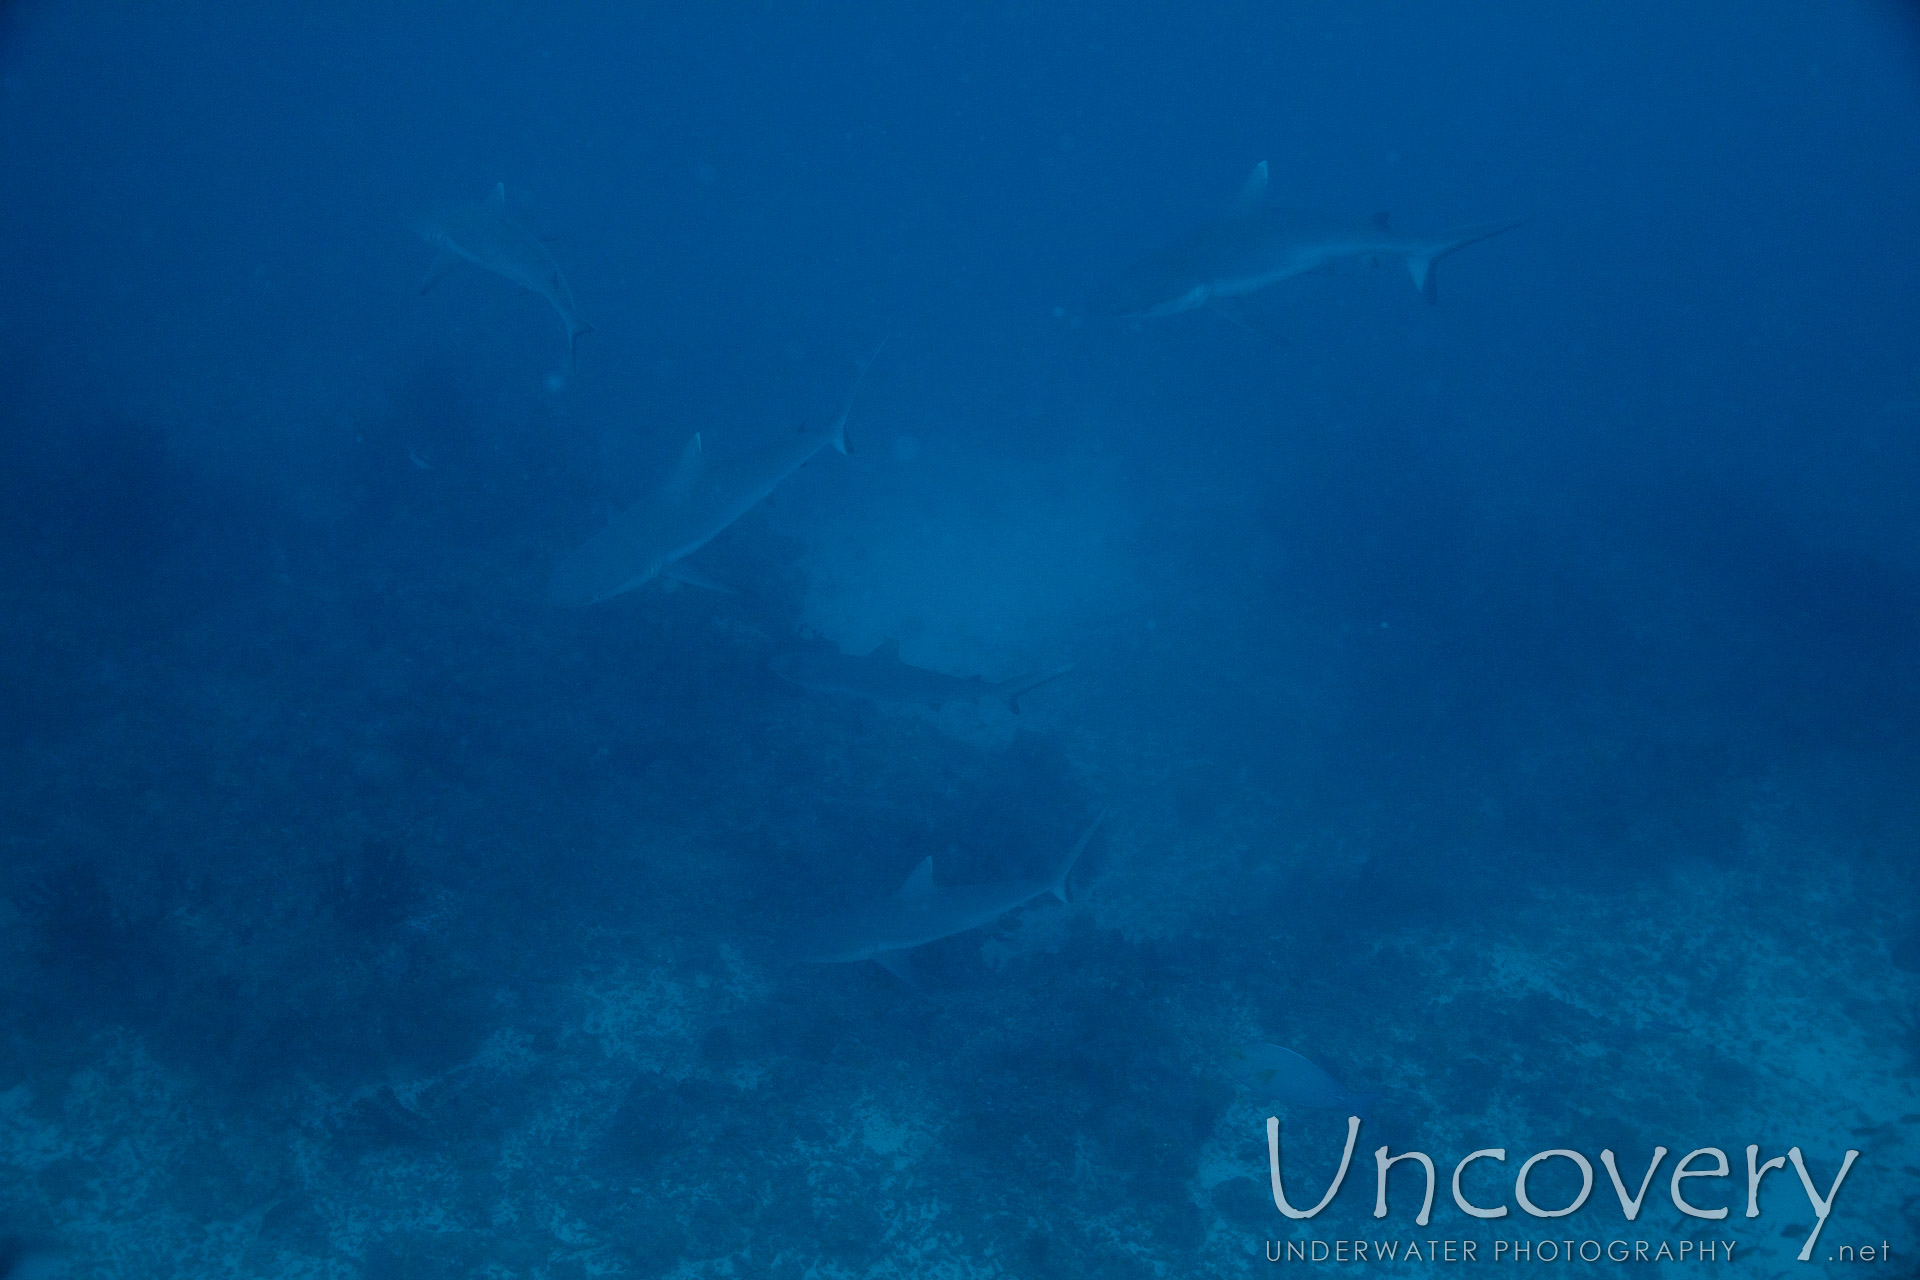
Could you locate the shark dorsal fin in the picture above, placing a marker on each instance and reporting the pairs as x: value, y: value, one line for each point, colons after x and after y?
x: 497, y: 198
x: 889, y: 651
x: 693, y: 460
x: 1253, y: 192
x: 920, y: 883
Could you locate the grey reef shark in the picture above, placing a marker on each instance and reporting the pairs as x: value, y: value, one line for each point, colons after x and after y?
x: 697, y: 501
x: 882, y: 677
x: 1257, y: 244
x: 480, y: 232
x: 886, y: 931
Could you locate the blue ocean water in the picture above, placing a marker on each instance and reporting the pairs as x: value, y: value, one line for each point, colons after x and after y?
x: 1511, y: 704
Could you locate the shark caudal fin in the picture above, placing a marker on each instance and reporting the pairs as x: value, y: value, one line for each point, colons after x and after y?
x: 1011, y: 691
x: 576, y: 330
x: 1059, y: 885
x: 839, y: 436
x: 1421, y: 261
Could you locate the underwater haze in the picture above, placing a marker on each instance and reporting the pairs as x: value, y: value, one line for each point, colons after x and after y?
x: 490, y: 789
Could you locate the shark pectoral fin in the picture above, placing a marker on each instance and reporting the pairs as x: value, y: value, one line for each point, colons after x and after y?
x: 1059, y: 886
x: 681, y: 571
x: 1018, y: 687
x: 1253, y: 192
x: 1420, y: 266
x: 920, y: 883
x: 443, y: 262
x: 899, y: 964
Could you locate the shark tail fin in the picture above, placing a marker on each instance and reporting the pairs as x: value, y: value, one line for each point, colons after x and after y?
x: 577, y: 330
x: 839, y: 437
x: 1018, y: 687
x: 1066, y: 868
x: 1421, y: 261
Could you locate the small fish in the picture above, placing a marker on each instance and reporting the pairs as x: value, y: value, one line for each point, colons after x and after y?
x: 1285, y: 1076
x: 483, y: 234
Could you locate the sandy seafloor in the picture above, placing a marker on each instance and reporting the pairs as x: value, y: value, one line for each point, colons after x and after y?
x: 591, y: 1055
